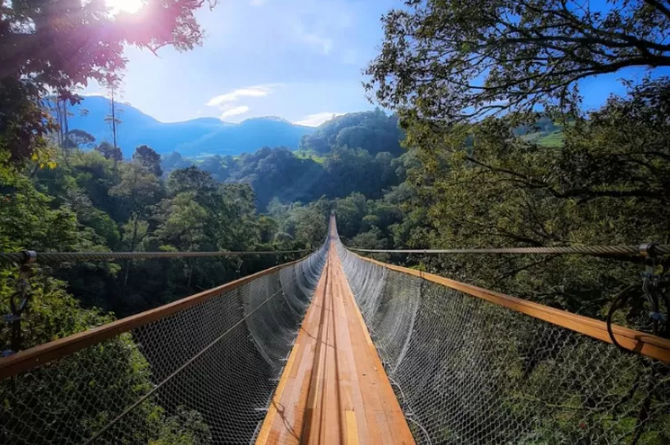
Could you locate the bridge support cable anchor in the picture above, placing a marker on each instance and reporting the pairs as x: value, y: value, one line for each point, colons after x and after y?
x: 654, y: 290
x: 18, y: 302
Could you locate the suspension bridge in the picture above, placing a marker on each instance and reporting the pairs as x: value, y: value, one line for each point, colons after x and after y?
x: 336, y: 348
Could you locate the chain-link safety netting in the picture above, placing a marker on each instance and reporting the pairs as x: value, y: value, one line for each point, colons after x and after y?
x: 468, y: 371
x: 202, y: 375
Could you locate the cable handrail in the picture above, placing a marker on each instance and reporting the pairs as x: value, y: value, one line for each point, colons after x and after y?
x: 635, y: 341
x: 27, y: 359
x: 645, y: 250
x: 29, y: 256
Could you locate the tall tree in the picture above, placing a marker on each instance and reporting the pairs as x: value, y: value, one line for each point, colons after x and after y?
x: 608, y: 185
x: 112, y: 82
x: 78, y: 138
x: 55, y: 45
x: 147, y: 157
x: 454, y: 60
x: 140, y: 188
x: 110, y: 152
x: 192, y: 179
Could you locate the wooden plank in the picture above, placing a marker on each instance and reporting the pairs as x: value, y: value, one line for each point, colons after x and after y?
x: 23, y: 361
x: 636, y: 341
x: 384, y: 416
x: 350, y: 399
x: 352, y: 428
x: 264, y: 434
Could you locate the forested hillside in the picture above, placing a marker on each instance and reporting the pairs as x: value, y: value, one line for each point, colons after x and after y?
x: 487, y: 143
x: 196, y: 137
x: 353, y: 153
x: 90, y: 197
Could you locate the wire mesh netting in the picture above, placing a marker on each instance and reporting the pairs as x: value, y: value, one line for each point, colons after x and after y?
x: 467, y: 371
x: 203, y: 375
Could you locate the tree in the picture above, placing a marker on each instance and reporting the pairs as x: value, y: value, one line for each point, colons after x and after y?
x: 37, y: 44
x: 184, y: 226
x: 59, y: 110
x: 110, y: 152
x: 453, y: 60
x: 112, y: 82
x: 149, y: 159
x: 308, y: 226
x: 237, y: 228
x: 373, y: 131
x: 78, y: 138
x: 608, y: 185
x: 184, y: 223
x: 191, y: 179
x: 139, y: 188
x: 173, y: 161
x: 89, y: 30
x: 24, y: 123
x: 115, y: 375
x: 28, y: 222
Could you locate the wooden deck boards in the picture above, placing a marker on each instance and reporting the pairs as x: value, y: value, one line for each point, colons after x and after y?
x: 334, y: 389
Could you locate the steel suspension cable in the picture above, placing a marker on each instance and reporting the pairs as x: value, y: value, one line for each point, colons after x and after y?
x: 65, y: 257
x: 623, y: 250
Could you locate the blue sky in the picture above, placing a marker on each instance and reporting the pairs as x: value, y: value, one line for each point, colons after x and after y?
x: 297, y: 59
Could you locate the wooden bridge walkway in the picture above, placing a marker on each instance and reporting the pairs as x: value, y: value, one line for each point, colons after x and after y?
x: 334, y: 389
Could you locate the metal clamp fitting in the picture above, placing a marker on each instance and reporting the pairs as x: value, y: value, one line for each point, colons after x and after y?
x: 647, y: 250
x: 29, y: 256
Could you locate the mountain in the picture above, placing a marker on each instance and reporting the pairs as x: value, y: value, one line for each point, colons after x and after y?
x: 196, y: 137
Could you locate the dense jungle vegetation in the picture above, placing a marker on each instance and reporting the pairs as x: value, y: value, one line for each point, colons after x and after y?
x: 488, y: 146
x: 513, y: 176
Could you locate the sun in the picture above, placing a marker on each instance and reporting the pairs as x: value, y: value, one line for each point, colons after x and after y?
x: 129, y: 6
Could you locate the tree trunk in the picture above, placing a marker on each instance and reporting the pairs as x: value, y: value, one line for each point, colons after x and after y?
x: 132, y: 248
x: 113, y: 119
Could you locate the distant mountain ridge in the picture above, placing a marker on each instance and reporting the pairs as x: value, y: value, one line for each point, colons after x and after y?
x: 196, y: 137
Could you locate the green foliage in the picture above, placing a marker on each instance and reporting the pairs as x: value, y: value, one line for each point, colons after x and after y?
x: 29, y: 72
x: 110, y: 152
x: 279, y: 173
x: 23, y: 123
x: 602, y: 186
x: 372, y: 131
x: 148, y: 159
x: 28, y: 221
x: 114, y: 374
x: 453, y: 61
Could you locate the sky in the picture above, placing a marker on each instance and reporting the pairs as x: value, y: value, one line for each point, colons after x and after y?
x: 301, y: 60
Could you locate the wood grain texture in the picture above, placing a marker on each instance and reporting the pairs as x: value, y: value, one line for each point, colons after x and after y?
x: 336, y: 392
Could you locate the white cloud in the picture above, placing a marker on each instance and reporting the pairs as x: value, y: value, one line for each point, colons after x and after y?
x: 255, y: 91
x: 320, y: 43
x: 229, y: 103
x: 257, y: 2
x: 234, y: 111
x: 314, y: 120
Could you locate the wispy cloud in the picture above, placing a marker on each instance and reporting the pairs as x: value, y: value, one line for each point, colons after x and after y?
x: 234, y: 111
x: 257, y: 2
x: 255, y: 91
x: 314, y: 120
x: 229, y: 104
x: 322, y: 44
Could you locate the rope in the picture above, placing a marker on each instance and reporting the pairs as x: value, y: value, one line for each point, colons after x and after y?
x: 645, y: 249
x: 64, y: 257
